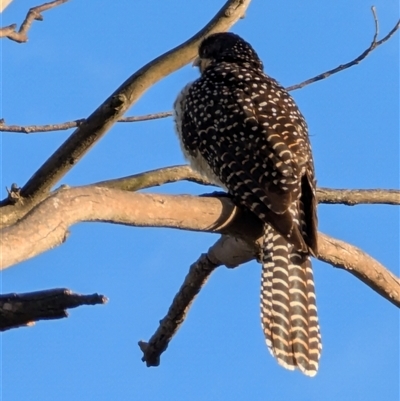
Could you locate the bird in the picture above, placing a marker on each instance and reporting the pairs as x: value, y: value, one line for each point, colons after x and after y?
x: 243, y: 131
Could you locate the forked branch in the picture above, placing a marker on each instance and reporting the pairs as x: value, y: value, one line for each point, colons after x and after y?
x: 374, y: 44
x: 47, y: 225
x: 76, y: 123
x: 34, y: 14
x: 112, y: 109
x: 332, y: 251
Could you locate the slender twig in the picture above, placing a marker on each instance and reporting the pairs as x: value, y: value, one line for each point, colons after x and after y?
x: 351, y: 197
x: 374, y: 44
x: 34, y: 14
x: 153, y: 116
x: 76, y: 123
x: 18, y: 310
x: 27, y: 129
x: 155, y: 178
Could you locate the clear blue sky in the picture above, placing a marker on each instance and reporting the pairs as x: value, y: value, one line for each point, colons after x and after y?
x: 79, y: 55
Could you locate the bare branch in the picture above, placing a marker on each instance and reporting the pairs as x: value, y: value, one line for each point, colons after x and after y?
x: 18, y: 310
x: 353, y: 197
x: 34, y: 14
x: 172, y: 174
x: 198, y: 275
x: 361, y: 265
x: 46, y: 226
x: 178, y: 173
x: 374, y: 44
x: 154, y: 178
x: 134, y: 182
x: 28, y: 129
x: 226, y: 251
x: 76, y: 123
x: 332, y: 251
x: 101, y: 120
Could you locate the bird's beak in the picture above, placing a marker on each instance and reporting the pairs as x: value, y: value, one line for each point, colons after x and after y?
x: 201, y: 63
x: 196, y: 62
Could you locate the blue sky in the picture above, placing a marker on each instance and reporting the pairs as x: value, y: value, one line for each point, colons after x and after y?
x: 78, y: 56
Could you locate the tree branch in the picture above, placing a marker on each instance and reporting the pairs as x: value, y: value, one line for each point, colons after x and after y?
x: 374, y: 44
x: 34, y: 14
x: 351, y: 197
x: 198, y: 275
x: 155, y: 178
x: 76, y: 123
x: 352, y: 259
x: 183, y: 172
x: 18, y: 310
x: 28, y: 129
x: 332, y: 251
x: 166, y: 175
x: 226, y: 251
x: 46, y: 226
x: 101, y: 120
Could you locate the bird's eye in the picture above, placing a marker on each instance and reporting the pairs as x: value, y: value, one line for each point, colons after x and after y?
x: 205, y: 53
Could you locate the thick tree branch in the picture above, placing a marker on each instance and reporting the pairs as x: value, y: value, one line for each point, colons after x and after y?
x: 101, y: 120
x: 18, y: 310
x: 34, y: 14
x: 46, y: 226
x: 183, y: 172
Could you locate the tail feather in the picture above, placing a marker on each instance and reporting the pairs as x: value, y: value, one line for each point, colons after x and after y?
x: 288, y: 308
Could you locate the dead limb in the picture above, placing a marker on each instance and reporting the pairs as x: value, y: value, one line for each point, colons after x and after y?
x: 374, y: 44
x: 18, y: 310
x: 28, y: 129
x: 34, y: 14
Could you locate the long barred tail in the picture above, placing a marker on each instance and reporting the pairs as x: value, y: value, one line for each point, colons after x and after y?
x: 288, y: 308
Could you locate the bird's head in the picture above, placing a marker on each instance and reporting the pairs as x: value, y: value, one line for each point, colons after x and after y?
x: 226, y: 47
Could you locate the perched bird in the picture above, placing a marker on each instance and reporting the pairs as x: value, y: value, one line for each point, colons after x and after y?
x: 244, y: 132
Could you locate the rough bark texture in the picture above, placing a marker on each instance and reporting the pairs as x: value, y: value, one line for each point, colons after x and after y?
x: 18, y: 310
x: 46, y: 226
